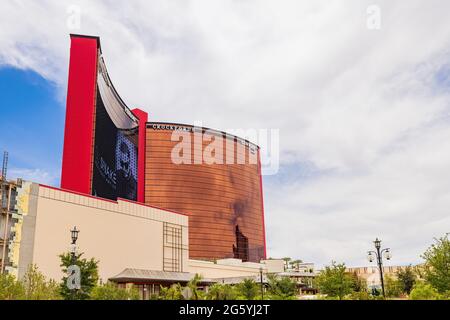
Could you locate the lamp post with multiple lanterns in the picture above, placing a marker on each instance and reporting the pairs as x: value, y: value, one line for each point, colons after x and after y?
x: 378, y: 255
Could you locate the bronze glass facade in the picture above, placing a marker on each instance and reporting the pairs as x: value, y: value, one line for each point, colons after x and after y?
x: 223, y: 201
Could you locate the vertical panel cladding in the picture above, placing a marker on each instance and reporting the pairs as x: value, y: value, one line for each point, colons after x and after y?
x: 224, y: 201
x: 79, y: 128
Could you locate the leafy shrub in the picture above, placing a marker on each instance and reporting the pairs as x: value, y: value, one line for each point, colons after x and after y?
x: 424, y: 291
x: 111, y: 291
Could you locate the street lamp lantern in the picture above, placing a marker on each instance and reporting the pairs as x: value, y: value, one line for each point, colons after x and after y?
x: 74, y: 232
x: 387, y: 254
x: 377, y: 243
x: 378, y: 255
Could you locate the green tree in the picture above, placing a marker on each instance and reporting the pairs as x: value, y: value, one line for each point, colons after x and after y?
x: 437, y: 264
x: 220, y: 291
x: 358, y: 284
x: 359, y: 295
x: 248, y: 289
x: 334, y: 281
x: 110, y: 291
x: 89, y: 276
x: 424, y: 291
x: 37, y: 287
x: 174, y: 292
x: 393, y: 287
x: 281, y: 288
x: 10, y: 288
x: 407, y: 279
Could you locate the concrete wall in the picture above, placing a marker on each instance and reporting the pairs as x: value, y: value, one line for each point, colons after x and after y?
x: 372, y: 274
x: 119, y: 234
x: 274, y: 265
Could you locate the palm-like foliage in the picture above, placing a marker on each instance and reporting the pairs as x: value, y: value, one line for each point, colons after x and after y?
x: 248, y: 289
x: 193, y: 286
x: 221, y: 292
x: 173, y: 292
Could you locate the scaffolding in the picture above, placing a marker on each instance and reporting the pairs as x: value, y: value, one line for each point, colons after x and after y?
x: 8, y: 191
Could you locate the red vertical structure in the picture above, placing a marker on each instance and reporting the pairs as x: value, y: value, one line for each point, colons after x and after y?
x: 90, y: 97
x: 262, y: 202
x: 80, y: 115
x: 143, y: 117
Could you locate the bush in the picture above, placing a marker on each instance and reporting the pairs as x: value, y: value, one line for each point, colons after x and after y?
x: 437, y: 262
x: 248, y: 289
x: 358, y: 295
x: 111, y: 291
x: 37, y: 287
x: 281, y: 288
x: 10, y: 289
x: 173, y: 292
x: 221, y: 292
x: 393, y: 287
x: 424, y: 291
x: 33, y: 286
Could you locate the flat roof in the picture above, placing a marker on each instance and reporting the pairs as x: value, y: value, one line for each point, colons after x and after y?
x: 140, y: 275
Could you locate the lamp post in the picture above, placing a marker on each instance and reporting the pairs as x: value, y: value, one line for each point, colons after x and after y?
x: 378, y: 255
x: 74, y: 271
x: 261, y: 282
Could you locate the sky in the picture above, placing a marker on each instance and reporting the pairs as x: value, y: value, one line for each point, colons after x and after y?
x: 359, y: 91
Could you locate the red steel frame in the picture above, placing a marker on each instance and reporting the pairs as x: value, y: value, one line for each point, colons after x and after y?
x: 262, y: 203
x: 77, y: 163
x: 143, y: 117
x: 80, y: 115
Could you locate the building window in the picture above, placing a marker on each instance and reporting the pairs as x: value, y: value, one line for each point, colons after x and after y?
x: 173, y: 247
x: 240, y: 251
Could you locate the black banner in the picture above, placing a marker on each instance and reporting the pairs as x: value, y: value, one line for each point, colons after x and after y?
x: 115, y: 158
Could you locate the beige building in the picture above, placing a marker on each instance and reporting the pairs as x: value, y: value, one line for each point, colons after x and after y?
x: 134, y: 243
x: 372, y: 275
x: 225, y: 268
x: 120, y: 234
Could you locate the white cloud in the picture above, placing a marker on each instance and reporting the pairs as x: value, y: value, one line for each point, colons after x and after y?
x: 35, y: 175
x: 364, y: 108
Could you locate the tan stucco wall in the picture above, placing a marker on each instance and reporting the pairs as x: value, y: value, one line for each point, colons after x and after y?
x: 119, y: 234
x: 213, y: 270
x: 372, y: 274
x: 274, y: 265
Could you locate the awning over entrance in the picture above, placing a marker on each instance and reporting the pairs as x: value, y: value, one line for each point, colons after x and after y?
x: 153, y: 276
